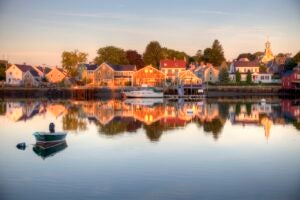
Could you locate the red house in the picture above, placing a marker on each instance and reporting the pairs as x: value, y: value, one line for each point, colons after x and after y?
x: 291, y: 79
x: 172, y: 68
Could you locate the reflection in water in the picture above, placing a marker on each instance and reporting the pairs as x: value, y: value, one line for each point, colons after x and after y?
x: 48, y: 149
x: 115, y: 117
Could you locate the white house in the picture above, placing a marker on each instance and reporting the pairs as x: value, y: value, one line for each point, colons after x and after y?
x: 262, y: 78
x: 15, y: 74
x: 31, y: 78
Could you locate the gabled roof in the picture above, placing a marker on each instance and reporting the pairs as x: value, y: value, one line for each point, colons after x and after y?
x: 44, y: 70
x: 24, y: 68
x: 122, y: 67
x: 172, y: 64
x: 90, y: 67
x: 246, y: 64
x: 34, y: 73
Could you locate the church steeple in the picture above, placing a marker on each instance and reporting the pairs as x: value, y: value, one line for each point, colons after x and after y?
x: 268, y: 55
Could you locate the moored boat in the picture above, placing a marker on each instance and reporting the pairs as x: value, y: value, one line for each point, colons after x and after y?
x: 49, y: 137
x: 144, y: 92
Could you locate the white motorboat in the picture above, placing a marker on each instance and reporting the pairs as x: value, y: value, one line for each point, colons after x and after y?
x: 144, y: 92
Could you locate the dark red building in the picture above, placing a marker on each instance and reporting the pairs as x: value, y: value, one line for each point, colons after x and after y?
x: 291, y: 79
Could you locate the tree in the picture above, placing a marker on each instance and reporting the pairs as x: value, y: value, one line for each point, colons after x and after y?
x: 2, y: 73
x: 134, y: 58
x: 215, y: 54
x: 238, y: 77
x: 249, y: 77
x: 258, y: 54
x: 112, y: 55
x: 263, y: 68
x: 153, y: 54
x: 289, y: 64
x: 296, y: 58
x: 71, y: 60
x: 173, y: 54
x: 224, y: 75
x: 249, y: 56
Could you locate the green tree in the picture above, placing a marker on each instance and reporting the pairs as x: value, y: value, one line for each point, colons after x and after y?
x: 249, y: 56
x: 134, y: 58
x: 224, y: 75
x: 263, y: 68
x: 249, y: 77
x: 112, y: 55
x: 215, y: 54
x: 153, y: 54
x: 248, y: 108
x: 296, y: 58
x: 2, y: 73
x: 71, y: 60
x: 238, y: 109
x: 171, y: 54
x: 238, y: 77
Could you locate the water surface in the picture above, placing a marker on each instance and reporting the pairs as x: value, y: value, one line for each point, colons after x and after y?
x: 152, y: 150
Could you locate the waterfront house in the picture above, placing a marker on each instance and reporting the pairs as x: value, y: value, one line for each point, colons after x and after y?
x: 187, y: 78
x: 87, y: 72
x: 262, y: 77
x: 31, y: 78
x: 108, y: 74
x: 172, y: 68
x: 210, y: 74
x: 56, y: 75
x: 243, y: 66
x: 291, y: 79
x: 15, y: 73
x: 123, y: 74
x: 149, y: 76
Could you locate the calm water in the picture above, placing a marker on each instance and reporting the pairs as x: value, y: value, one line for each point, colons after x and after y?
x: 152, y: 150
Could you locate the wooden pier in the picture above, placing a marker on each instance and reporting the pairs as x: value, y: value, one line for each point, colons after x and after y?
x: 185, y: 97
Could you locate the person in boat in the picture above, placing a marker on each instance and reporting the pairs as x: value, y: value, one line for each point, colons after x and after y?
x: 51, y: 128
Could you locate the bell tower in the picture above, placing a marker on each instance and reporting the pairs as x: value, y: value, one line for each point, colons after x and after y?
x: 268, y: 55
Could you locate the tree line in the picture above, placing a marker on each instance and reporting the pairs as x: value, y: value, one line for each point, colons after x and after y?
x: 152, y: 55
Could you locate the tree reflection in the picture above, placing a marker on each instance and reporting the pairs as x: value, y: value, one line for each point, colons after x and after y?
x: 2, y: 108
x: 154, y: 131
x: 119, y: 125
x: 215, y: 127
x: 72, y: 121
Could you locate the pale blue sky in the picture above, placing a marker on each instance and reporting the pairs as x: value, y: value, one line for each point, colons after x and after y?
x: 37, y: 31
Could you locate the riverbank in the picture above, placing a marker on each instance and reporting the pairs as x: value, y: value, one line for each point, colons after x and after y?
x: 85, y: 93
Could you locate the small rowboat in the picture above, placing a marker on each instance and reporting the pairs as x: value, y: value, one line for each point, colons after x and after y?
x: 44, y: 137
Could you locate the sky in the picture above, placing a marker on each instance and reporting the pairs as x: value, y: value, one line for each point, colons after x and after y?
x: 38, y: 31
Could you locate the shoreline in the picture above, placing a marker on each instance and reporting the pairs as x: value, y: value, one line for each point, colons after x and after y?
x: 84, y: 93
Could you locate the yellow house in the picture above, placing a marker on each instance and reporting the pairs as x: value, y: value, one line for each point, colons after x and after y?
x: 187, y: 77
x: 56, y: 75
x: 148, y: 76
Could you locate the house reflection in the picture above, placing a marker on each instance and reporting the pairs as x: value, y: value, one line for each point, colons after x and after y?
x: 253, y: 114
x: 22, y: 111
x: 156, y: 116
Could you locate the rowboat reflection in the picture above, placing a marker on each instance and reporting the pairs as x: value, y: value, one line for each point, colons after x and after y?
x: 47, y: 149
